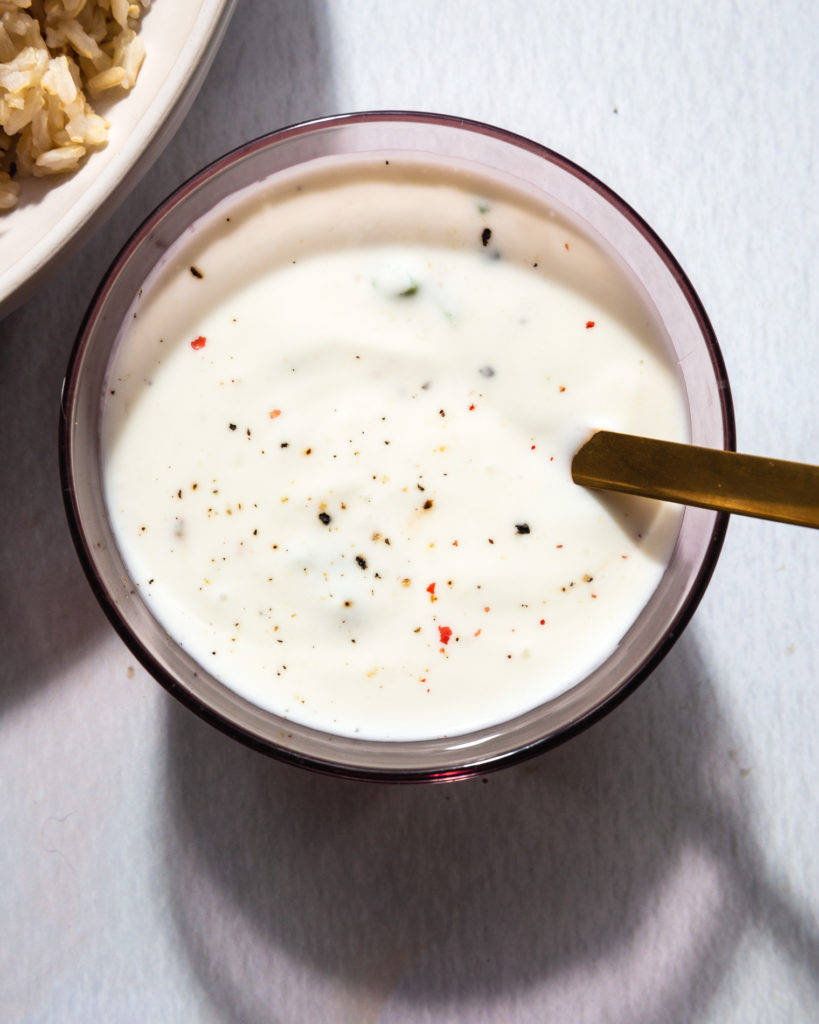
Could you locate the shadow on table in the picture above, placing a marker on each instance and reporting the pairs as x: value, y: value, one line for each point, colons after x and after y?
x: 274, y: 68
x: 48, y: 614
x: 614, y: 873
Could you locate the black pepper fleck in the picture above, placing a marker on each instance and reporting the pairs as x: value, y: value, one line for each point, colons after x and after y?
x: 486, y: 234
x: 361, y: 560
x: 325, y: 517
x: 522, y: 527
x: 232, y: 426
x: 486, y: 371
x: 197, y: 273
x: 428, y: 503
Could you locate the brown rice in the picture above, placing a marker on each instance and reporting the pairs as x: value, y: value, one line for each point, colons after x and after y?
x: 52, y: 54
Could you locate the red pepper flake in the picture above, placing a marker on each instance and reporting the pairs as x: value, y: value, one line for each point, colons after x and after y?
x: 431, y: 588
x: 589, y: 323
x: 562, y: 388
x: 558, y: 545
x: 624, y: 556
x: 486, y: 609
x: 274, y: 413
x: 454, y: 543
x: 551, y: 458
x: 198, y: 343
x: 477, y: 632
x: 423, y: 679
x: 566, y: 246
x: 532, y: 448
x: 445, y: 633
x: 543, y: 622
x: 472, y: 407
x: 594, y: 596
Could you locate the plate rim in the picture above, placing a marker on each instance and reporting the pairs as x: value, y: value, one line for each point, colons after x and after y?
x: 143, y: 146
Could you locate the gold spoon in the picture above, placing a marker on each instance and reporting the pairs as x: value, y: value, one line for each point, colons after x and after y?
x: 749, y: 485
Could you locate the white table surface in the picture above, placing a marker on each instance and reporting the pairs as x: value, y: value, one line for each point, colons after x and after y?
x: 663, y: 866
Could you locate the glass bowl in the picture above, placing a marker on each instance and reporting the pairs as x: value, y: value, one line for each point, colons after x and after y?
x: 577, y: 195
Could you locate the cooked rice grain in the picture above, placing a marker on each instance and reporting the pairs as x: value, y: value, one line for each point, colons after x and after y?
x: 53, y: 52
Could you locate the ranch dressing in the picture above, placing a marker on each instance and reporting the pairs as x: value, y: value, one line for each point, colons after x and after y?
x: 336, y: 443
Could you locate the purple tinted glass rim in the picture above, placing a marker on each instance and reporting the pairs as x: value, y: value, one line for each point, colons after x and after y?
x: 467, y: 768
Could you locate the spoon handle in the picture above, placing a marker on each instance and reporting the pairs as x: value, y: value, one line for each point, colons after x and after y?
x: 749, y: 485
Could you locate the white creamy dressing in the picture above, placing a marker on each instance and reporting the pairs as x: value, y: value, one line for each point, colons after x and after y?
x: 352, y: 504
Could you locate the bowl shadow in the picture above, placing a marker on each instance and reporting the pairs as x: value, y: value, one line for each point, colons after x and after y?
x: 48, y: 612
x: 613, y: 875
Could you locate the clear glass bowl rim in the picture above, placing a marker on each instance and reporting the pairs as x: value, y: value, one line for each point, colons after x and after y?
x: 381, y: 766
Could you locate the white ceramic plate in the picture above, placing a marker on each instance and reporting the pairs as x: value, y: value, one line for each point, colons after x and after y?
x: 182, y: 37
